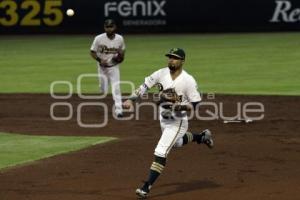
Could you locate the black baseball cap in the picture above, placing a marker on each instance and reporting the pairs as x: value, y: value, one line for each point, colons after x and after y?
x: 176, y: 52
x: 109, y: 22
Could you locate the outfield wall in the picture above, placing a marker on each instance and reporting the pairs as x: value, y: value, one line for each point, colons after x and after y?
x: 149, y: 16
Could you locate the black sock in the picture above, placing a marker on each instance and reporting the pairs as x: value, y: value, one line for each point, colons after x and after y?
x: 197, y: 137
x: 188, y: 137
x: 185, y: 139
x: 155, y: 170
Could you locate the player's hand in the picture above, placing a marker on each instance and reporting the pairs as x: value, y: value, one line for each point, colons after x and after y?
x: 103, y: 63
x: 128, y: 104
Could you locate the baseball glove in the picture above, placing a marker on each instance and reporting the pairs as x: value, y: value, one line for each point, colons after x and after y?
x: 119, y: 57
x: 168, y: 95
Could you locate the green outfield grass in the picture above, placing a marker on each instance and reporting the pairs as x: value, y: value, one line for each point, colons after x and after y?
x: 261, y: 63
x: 19, y: 149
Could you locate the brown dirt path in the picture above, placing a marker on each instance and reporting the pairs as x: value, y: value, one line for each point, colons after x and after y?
x: 259, y: 160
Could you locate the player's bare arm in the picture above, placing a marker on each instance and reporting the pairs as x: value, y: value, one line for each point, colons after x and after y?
x: 94, y: 55
x: 128, y: 104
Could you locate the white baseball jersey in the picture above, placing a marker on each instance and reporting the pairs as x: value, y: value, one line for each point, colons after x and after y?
x: 173, y: 129
x: 106, y: 48
x: 184, y: 85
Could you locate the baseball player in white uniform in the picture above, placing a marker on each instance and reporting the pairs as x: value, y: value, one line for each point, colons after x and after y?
x: 173, y: 117
x: 109, y: 49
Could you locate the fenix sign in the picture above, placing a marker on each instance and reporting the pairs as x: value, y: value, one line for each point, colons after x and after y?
x: 284, y: 12
x: 135, y: 8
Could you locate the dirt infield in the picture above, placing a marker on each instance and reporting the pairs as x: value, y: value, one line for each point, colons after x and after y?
x: 259, y: 160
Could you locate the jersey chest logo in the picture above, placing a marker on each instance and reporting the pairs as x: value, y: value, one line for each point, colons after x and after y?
x: 160, y: 88
x: 104, y: 49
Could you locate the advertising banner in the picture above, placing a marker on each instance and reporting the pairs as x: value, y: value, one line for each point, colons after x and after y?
x: 148, y: 16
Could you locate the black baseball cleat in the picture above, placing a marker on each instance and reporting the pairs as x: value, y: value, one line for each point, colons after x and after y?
x: 143, y: 192
x: 206, y: 138
x: 120, y: 115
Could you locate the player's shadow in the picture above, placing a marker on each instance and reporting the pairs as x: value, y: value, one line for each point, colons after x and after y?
x: 182, y: 187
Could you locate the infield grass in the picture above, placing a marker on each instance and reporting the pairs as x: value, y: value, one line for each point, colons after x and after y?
x: 260, y: 63
x: 18, y: 149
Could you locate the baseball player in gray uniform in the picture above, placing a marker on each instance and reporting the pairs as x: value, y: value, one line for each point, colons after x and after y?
x: 179, y: 94
x: 109, y: 49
